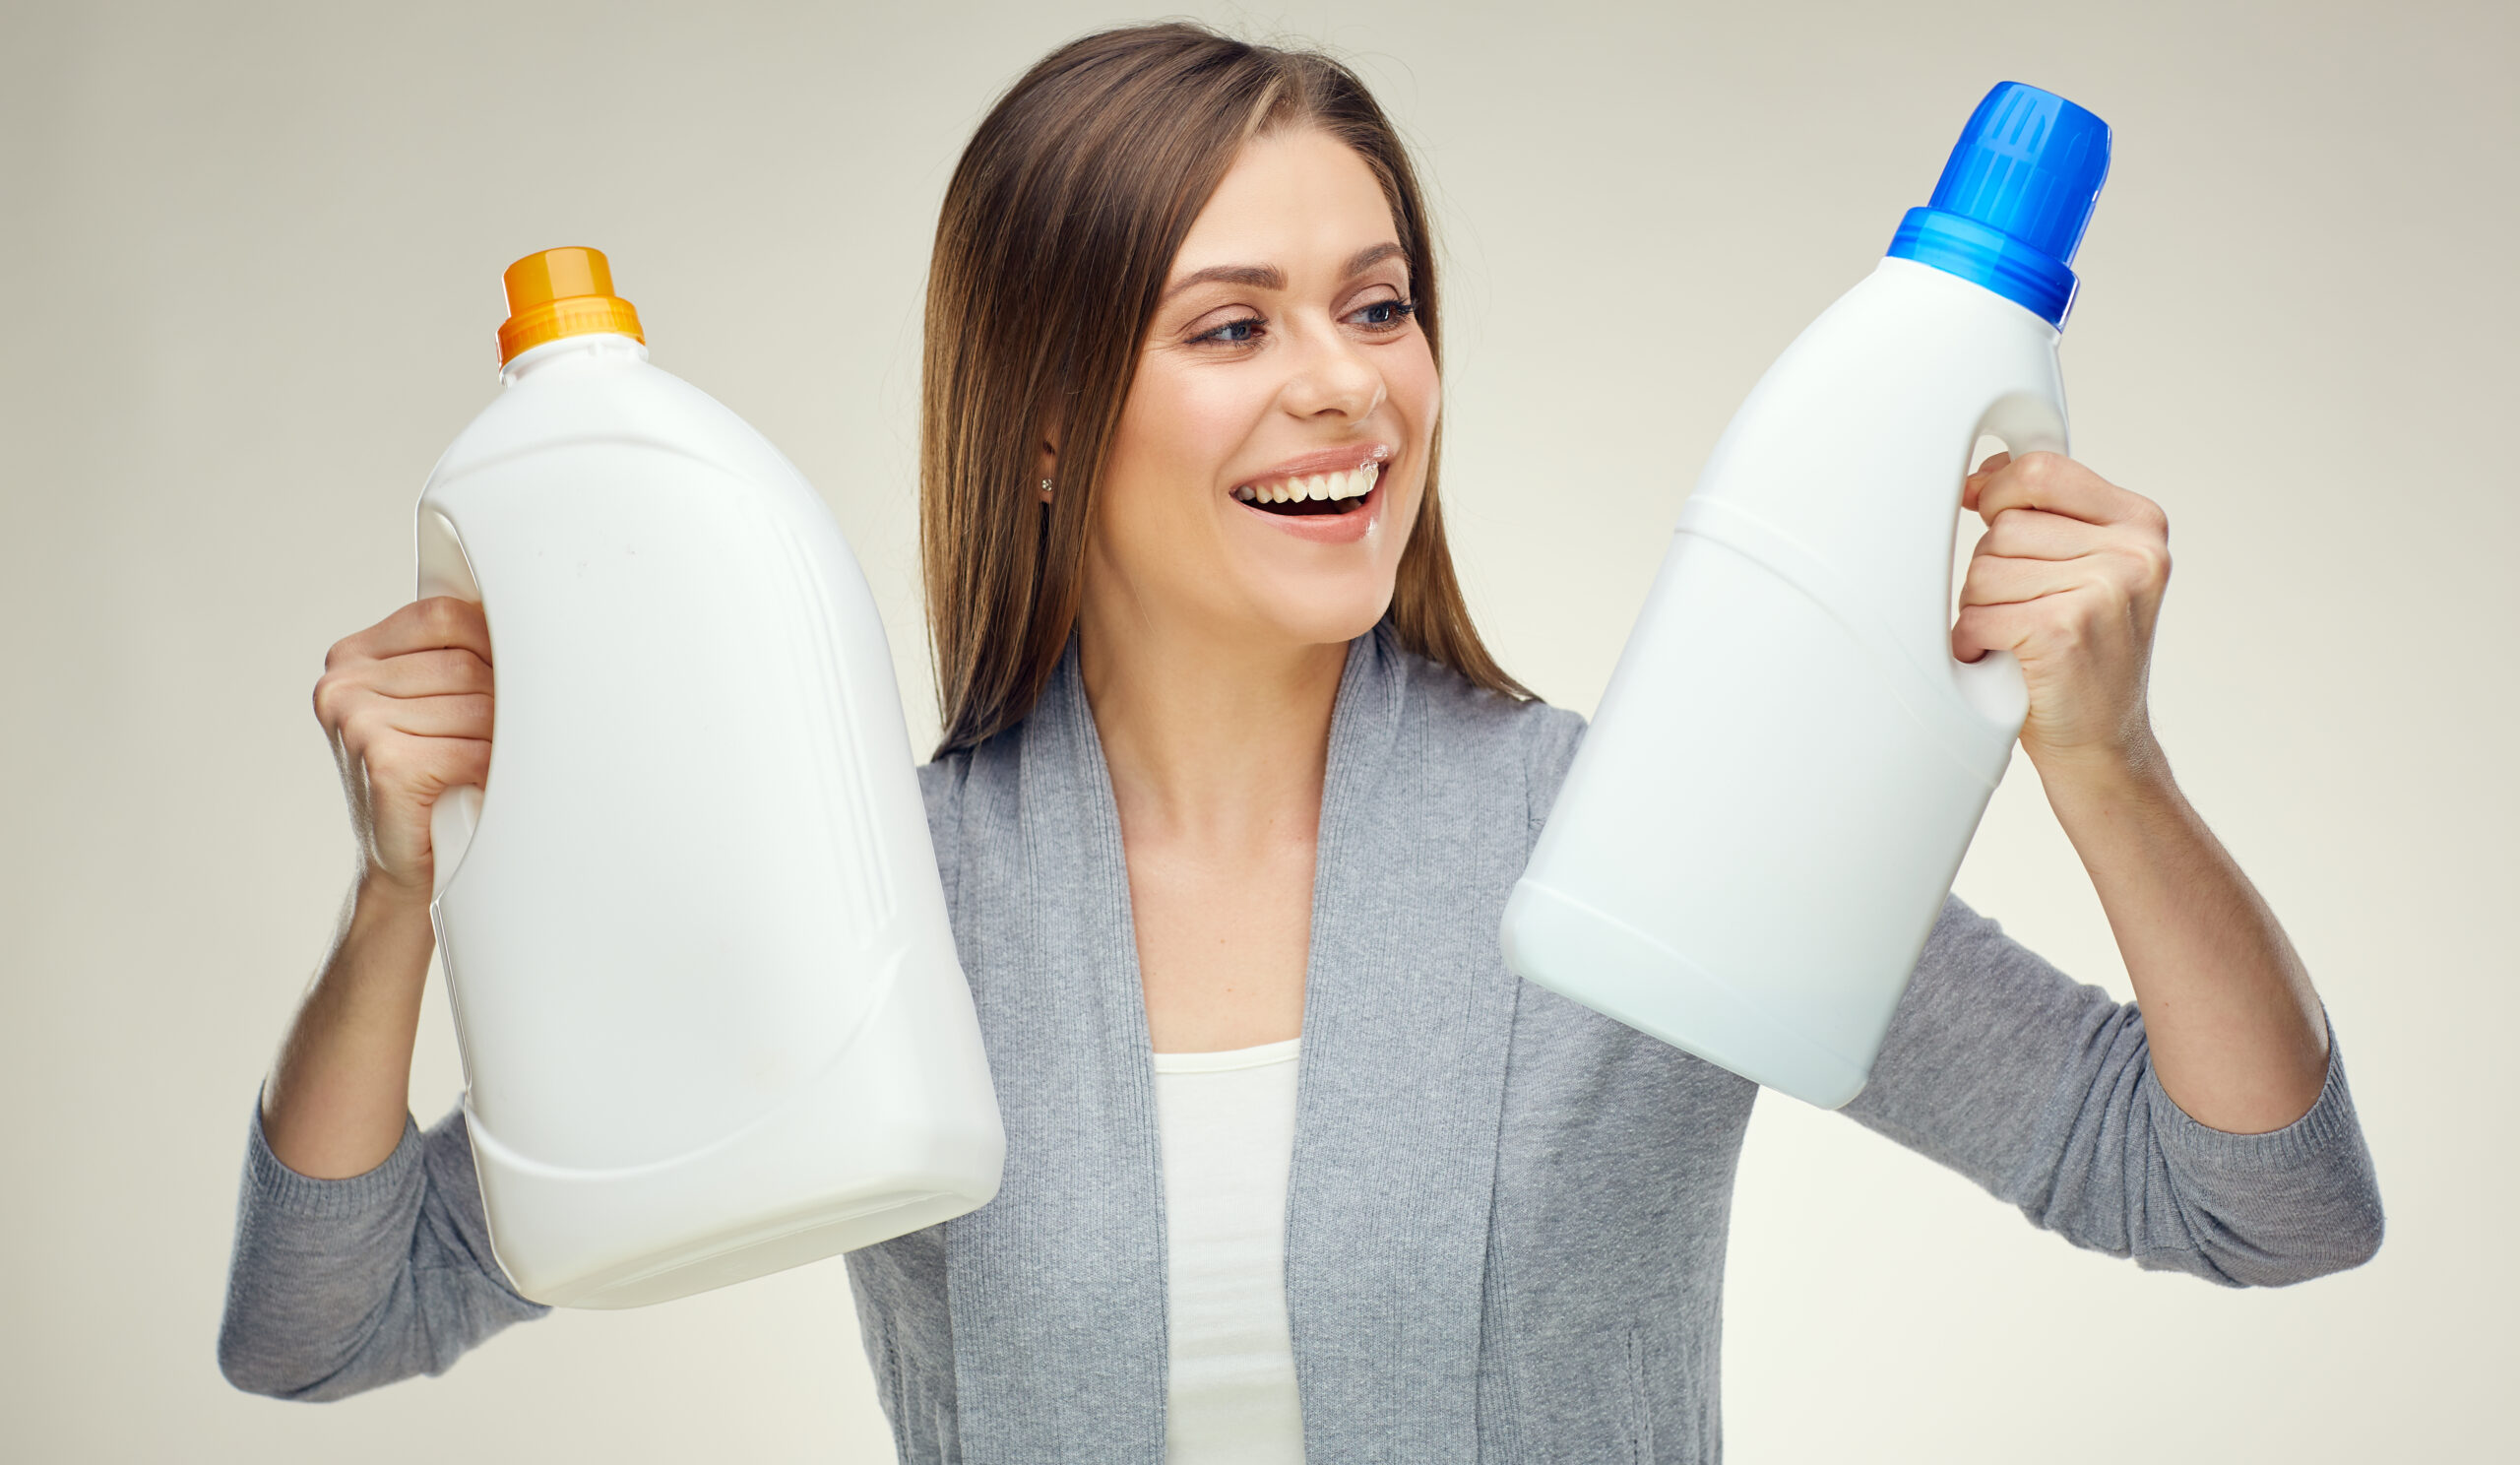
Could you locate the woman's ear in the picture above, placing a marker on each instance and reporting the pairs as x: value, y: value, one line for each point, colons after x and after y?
x: 1046, y: 465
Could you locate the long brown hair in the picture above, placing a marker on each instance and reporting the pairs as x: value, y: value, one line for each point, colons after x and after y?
x: 1057, y: 233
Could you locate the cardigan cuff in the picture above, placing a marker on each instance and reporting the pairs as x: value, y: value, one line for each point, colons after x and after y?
x: 276, y: 1186
x: 2329, y: 1119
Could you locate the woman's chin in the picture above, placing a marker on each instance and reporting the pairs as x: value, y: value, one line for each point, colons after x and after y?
x: 1317, y: 593
x: 1319, y: 614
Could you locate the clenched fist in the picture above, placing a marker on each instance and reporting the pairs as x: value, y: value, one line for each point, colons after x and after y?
x: 2068, y: 577
x: 408, y: 706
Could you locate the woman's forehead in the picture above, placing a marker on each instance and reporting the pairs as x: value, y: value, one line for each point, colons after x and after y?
x: 1296, y: 205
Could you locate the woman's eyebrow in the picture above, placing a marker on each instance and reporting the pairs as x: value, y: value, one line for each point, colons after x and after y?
x: 1271, y: 278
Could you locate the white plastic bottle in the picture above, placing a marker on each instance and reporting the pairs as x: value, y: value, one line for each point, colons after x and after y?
x: 712, y: 1020
x: 1789, y: 763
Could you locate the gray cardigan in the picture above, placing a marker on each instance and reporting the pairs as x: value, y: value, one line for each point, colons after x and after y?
x: 1506, y: 1214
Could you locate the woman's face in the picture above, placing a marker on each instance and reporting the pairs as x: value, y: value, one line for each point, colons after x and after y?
x: 1282, y: 362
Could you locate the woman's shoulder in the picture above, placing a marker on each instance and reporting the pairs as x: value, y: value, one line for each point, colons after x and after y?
x: 1471, y: 724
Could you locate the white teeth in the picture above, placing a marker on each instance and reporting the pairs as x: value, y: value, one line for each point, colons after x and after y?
x: 1355, y: 483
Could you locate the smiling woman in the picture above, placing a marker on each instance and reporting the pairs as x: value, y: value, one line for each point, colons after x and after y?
x: 1228, y: 807
x: 1168, y: 256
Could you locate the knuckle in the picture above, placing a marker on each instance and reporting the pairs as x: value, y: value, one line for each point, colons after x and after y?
x: 358, y: 727
x: 2147, y: 563
x: 389, y: 761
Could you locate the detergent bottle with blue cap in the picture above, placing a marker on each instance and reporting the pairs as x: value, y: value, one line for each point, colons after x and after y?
x: 1757, y: 833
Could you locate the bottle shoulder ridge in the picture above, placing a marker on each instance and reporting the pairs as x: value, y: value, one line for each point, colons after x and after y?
x: 635, y: 403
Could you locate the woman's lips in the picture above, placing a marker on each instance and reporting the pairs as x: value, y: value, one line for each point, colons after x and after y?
x: 1326, y: 461
x: 1343, y: 528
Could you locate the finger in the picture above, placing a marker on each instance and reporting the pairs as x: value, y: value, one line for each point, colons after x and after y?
x: 2058, y: 484
x: 420, y: 769
x: 454, y: 672
x: 436, y: 623
x: 378, y: 719
x: 1995, y: 580
x: 2037, y: 533
x: 1976, y: 482
x: 2000, y: 627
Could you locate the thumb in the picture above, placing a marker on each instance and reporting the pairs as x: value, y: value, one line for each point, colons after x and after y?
x: 1976, y: 482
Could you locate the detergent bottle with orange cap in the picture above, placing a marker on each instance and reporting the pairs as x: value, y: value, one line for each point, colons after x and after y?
x: 712, y: 1020
x: 1756, y: 835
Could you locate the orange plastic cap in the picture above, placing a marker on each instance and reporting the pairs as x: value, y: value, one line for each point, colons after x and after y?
x: 558, y: 293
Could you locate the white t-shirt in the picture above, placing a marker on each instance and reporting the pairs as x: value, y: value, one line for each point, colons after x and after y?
x: 1229, y: 1128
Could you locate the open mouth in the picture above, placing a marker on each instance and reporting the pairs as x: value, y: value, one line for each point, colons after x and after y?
x: 1342, y: 492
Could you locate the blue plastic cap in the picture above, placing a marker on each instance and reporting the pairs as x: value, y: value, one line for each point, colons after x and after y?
x: 2011, y: 206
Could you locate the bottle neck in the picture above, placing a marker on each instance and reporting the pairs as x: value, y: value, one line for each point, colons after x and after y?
x: 1982, y: 254
x: 594, y: 346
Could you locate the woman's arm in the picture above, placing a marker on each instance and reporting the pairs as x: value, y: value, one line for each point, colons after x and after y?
x: 361, y: 1254
x: 2238, y: 1036
x: 407, y: 706
x: 2205, y: 1127
x: 2043, y: 1091
x: 339, y: 1286
x: 2068, y: 578
x: 336, y: 1102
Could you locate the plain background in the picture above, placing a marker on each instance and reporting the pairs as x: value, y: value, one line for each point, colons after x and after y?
x: 250, y: 257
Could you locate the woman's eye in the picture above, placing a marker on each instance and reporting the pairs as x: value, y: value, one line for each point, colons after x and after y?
x: 1386, y: 315
x: 1381, y: 317
x: 1233, y: 332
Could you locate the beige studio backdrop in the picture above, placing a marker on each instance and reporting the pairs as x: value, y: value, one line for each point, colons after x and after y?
x: 250, y: 261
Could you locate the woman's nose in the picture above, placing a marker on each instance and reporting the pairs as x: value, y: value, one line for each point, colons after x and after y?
x: 1333, y: 375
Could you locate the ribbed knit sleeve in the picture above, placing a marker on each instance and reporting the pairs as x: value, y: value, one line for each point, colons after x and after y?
x: 2041, y: 1090
x: 339, y: 1286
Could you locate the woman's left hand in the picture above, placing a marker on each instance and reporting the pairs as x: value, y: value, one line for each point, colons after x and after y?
x: 2068, y: 577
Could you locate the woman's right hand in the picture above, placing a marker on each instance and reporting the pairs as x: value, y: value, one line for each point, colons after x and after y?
x: 407, y: 704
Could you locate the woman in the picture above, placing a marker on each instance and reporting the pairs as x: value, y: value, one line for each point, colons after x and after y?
x: 1231, y: 794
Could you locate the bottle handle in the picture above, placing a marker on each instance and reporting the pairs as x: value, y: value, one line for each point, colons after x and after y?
x: 447, y: 571
x: 452, y: 820
x: 1992, y: 685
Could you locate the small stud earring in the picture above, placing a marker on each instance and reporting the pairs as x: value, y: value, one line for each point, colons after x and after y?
x: 1046, y: 487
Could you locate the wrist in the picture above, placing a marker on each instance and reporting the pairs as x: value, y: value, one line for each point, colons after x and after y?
x: 380, y: 896
x: 388, y: 927
x: 2133, y: 769
x: 2103, y: 800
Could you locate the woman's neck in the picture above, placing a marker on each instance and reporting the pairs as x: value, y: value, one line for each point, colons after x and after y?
x: 1211, y: 739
